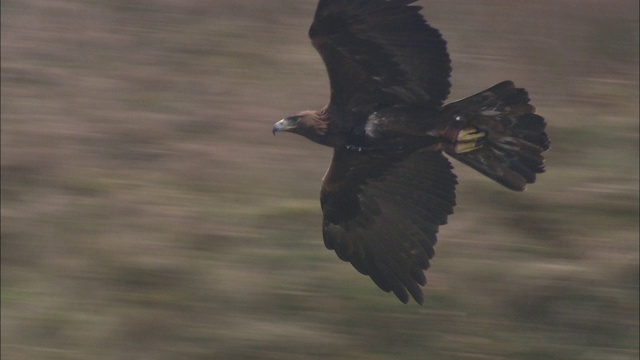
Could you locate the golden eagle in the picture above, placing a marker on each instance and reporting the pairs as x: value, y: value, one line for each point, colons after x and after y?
x: 389, y: 186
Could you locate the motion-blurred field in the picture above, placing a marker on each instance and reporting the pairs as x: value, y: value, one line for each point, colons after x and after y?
x: 148, y: 213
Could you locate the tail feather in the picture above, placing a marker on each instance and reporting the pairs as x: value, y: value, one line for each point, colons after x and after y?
x: 511, y: 151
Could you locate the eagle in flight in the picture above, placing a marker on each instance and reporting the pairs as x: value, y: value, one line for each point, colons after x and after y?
x: 389, y: 186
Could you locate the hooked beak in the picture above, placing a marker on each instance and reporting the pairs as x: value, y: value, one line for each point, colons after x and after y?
x: 282, y: 125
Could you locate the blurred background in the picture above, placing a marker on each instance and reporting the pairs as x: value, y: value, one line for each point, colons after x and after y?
x: 148, y: 212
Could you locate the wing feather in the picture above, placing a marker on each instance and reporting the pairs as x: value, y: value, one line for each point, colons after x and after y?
x: 380, y: 52
x: 382, y: 212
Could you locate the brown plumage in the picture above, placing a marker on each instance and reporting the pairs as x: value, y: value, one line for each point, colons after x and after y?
x: 389, y: 186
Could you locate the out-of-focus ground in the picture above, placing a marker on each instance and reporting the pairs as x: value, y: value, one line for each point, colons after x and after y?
x: 148, y: 212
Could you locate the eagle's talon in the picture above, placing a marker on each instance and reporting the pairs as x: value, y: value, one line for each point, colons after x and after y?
x: 467, y: 146
x: 470, y: 134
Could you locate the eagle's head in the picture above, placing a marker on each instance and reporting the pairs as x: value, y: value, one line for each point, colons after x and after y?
x: 310, y: 124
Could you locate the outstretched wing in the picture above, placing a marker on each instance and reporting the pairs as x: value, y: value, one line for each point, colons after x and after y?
x: 382, y: 212
x: 380, y: 52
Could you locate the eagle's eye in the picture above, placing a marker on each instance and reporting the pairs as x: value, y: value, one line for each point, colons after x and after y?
x: 293, y: 120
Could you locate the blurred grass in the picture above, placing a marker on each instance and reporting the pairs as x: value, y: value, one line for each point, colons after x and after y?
x: 148, y: 213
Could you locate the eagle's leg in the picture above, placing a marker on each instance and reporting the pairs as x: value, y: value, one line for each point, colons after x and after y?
x: 463, y: 140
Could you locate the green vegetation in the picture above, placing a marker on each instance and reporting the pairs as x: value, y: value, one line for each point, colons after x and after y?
x: 148, y: 213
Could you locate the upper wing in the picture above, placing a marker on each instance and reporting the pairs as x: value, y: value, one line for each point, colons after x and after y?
x: 382, y: 212
x: 380, y: 52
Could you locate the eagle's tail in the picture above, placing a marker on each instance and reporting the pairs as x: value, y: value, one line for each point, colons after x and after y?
x: 498, y: 133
